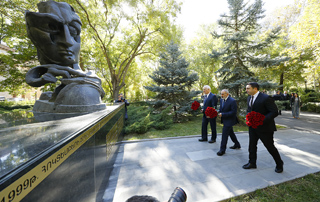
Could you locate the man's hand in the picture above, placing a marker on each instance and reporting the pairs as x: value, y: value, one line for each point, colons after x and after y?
x: 220, y: 115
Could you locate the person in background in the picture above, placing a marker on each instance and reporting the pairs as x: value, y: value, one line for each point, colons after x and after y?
x: 278, y: 96
x: 286, y: 96
x: 121, y: 99
x: 296, y: 106
x: 291, y: 101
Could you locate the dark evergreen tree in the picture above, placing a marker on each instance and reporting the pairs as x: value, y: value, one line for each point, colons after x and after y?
x: 173, y: 83
x: 243, y: 49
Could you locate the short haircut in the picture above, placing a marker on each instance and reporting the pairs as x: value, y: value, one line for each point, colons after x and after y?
x: 143, y: 198
x: 254, y: 85
x: 206, y: 86
x: 225, y: 90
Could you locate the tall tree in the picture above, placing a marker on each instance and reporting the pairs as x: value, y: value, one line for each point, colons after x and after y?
x: 290, y: 72
x: 306, y: 37
x: 197, y: 53
x: 173, y: 80
x: 241, y: 52
x: 123, y: 30
x: 13, y: 32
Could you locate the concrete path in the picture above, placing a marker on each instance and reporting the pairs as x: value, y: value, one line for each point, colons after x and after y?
x: 156, y: 167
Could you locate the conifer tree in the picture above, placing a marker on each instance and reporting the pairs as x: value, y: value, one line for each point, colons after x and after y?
x: 242, y: 48
x: 173, y: 82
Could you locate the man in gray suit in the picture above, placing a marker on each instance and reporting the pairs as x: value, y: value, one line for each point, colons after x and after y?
x: 228, y: 114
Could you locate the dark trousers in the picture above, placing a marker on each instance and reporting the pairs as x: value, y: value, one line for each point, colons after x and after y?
x: 204, y: 130
x: 267, y: 139
x: 226, y: 132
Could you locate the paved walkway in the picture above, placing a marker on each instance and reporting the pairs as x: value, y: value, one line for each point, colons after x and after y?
x: 156, y: 167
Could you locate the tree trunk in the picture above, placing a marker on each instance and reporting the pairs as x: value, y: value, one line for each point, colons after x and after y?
x: 281, y: 82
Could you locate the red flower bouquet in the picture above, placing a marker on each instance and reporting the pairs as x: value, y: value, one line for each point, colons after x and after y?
x: 211, y: 112
x: 254, y: 119
x: 195, y: 105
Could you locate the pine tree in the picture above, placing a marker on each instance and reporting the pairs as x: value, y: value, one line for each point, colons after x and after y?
x: 173, y: 83
x: 243, y: 49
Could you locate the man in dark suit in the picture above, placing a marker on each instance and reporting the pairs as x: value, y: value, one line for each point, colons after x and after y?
x: 265, y: 105
x: 228, y: 114
x: 210, y: 100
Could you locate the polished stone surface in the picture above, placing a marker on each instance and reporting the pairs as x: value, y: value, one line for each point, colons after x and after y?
x: 82, y: 175
x: 29, y: 137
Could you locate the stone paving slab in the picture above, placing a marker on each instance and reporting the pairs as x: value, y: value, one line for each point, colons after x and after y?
x: 156, y: 167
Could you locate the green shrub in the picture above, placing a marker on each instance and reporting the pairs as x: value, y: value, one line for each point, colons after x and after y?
x: 10, y: 105
x: 281, y: 104
x: 139, y: 127
x: 142, y: 118
x: 163, y: 120
x: 310, y: 107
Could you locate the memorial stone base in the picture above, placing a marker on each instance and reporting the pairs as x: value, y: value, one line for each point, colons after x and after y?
x: 60, y: 160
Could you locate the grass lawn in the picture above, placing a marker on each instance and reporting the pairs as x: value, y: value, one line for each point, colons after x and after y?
x: 181, y: 129
x: 299, y: 190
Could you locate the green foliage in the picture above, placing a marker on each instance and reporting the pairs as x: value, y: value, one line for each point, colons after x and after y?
x: 142, y: 118
x: 163, y: 120
x: 14, y: 66
x: 310, y: 107
x: 241, y: 51
x: 197, y: 53
x: 9, y: 105
x: 173, y: 83
x: 116, y: 33
x: 281, y: 104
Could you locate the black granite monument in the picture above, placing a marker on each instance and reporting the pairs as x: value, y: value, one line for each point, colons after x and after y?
x: 55, y: 31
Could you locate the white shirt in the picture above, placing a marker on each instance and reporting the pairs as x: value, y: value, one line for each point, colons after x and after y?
x: 255, y: 97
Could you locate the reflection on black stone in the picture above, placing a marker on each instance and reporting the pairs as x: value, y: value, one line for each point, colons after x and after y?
x: 23, y: 136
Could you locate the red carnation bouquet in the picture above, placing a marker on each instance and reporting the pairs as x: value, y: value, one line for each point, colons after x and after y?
x: 195, y: 105
x: 211, y: 112
x: 254, y: 119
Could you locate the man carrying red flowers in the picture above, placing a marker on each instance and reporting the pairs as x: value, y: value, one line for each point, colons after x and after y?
x: 228, y: 114
x: 263, y: 104
x: 210, y: 100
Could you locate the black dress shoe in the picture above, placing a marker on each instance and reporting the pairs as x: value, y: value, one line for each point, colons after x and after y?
x: 235, y: 147
x: 212, y: 141
x: 249, y: 166
x: 220, y: 153
x: 202, y: 140
x: 279, y: 168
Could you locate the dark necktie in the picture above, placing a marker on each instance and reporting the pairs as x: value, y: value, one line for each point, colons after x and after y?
x: 251, y: 102
x: 224, y: 102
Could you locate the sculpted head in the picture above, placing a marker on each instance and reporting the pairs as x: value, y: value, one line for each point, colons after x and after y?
x: 55, y: 31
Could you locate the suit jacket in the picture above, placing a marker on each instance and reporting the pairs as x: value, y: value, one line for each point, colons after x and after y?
x: 211, y: 101
x: 266, y: 106
x: 229, y: 112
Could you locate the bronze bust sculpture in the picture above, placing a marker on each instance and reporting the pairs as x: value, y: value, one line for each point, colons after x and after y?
x: 55, y: 31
